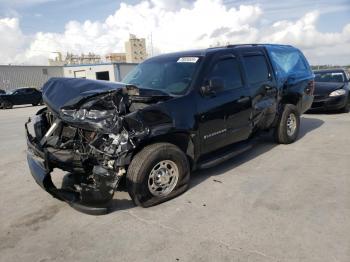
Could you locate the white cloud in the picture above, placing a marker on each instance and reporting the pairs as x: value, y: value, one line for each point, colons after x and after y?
x: 12, y: 40
x: 320, y: 47
x: 178, y: 25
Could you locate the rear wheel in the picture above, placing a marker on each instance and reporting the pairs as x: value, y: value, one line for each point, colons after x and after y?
x: 158, y: 173
x: 288, y: 126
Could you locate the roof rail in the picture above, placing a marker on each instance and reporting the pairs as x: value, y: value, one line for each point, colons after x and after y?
x: 232, y: 46
x: 239, y: 45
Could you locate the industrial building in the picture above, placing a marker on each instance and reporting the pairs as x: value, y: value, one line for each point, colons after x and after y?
x: 116, y: 57
x: 12, y: 77
x: 88, y: 66
x: 72, y: 59
x: 135, y: 50
x: 109, y: 71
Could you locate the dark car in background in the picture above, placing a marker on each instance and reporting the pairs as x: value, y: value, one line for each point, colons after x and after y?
x: 20, y: 96
x: 331, y: 90
x: 2, y: 92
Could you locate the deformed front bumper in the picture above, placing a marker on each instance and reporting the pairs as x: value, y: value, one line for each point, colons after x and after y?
x: 40, y: 169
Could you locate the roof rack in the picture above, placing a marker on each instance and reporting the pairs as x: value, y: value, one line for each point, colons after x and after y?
x: 233, y: 46
x: 248, y: 45
x: 261, y: 44
x: 239, y: 45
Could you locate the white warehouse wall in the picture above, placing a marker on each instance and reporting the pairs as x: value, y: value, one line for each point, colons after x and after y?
x: 12, y: 77
x: 88, y: 71
x: 116, y: 71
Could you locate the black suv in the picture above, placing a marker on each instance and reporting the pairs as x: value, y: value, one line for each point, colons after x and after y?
x: 172, y: 114
x: 20, y: 96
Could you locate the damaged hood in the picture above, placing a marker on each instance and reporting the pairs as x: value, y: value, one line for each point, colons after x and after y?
x: 95, y: 105
x: 61, y: 93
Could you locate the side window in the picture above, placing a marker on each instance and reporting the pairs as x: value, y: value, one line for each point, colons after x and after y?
x: 228, y: 70
x: 347, y: 76
x: 257, y: 69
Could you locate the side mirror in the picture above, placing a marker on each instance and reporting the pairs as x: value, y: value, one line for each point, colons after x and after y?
x: 212, y: 86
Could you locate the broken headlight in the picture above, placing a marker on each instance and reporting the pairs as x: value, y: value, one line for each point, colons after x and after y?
x: 85, y: 114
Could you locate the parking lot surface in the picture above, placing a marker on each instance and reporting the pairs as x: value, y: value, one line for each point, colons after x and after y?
x: 273, y: 203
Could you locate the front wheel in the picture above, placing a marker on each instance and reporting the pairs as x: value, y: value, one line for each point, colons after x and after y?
x: 287, y: 129
x: 346, y: 108
x: 158, y: 173
x: 7, y: 105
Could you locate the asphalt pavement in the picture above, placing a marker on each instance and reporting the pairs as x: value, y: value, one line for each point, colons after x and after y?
x: 272, y: 203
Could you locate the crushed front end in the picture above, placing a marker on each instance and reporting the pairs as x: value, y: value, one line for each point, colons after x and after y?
x: 88, y: 130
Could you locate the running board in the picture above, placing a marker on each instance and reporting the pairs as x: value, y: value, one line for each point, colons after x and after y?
x: 222, y: 157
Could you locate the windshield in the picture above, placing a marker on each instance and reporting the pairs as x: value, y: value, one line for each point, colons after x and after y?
x: 172, y: 75
x: 336, y: 77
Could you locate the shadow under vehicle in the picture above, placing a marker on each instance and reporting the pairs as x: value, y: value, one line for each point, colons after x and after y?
x: 20, y: 96
x: 172, y: 114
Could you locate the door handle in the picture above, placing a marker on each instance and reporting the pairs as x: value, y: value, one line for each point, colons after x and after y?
x: 243, y: 99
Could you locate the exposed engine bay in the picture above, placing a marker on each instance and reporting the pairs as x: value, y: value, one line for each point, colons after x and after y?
x: 93, y: 138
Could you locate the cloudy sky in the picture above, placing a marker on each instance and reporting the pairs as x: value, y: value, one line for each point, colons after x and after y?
x: 30, y: 30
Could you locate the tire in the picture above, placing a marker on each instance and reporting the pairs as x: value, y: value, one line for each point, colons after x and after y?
x: 345, y: 109
x: 142, y: 170
x: 286, y: 132
x: 8, y: 105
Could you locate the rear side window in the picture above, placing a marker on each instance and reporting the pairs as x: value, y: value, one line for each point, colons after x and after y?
x: 257, y: 69
x: 347, y: 76
x: 290, y: 65
x: 228, y: 70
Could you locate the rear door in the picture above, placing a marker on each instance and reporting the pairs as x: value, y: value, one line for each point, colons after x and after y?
x: 262, y: 86
x: 224, y: 117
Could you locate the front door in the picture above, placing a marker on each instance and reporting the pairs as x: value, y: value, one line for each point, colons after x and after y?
x: 224, y: 116
x: 19, y: 97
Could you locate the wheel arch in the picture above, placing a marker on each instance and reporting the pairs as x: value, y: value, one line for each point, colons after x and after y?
x: 182, y: 140
x: 292, y: 98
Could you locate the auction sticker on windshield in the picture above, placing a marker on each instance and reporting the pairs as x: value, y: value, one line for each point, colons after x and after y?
x: 188, y: 59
